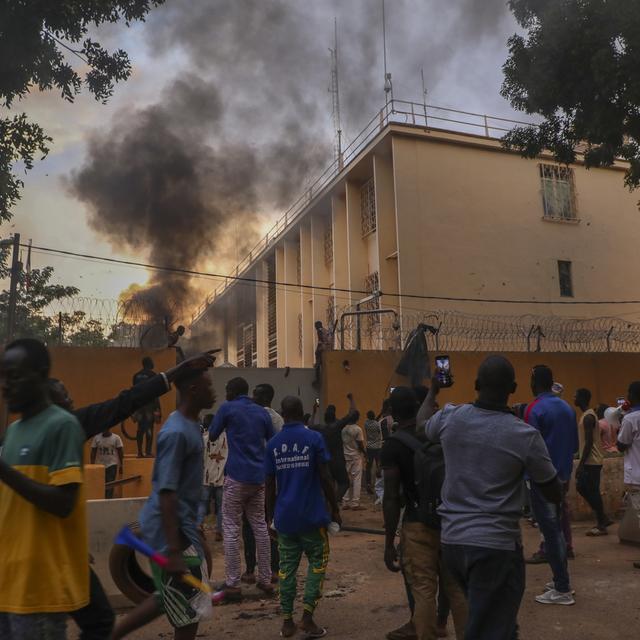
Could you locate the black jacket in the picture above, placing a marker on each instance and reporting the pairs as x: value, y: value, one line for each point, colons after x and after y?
x: 96, y: 418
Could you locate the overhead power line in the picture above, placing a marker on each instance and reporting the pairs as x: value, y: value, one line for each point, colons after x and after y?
x: 314, y: 287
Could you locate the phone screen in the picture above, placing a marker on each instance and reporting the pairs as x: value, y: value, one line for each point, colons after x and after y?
x: 443, y: 370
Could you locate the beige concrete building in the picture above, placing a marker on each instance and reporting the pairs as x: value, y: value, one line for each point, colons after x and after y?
x: 427, y: 211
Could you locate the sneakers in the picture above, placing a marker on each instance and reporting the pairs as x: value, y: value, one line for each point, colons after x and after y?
x: 550, y: 586
x: 555, y: 597
x: 537, y: 558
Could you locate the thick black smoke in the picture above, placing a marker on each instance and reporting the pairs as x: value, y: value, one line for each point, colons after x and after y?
x: 154, y: 182
x: 239, y: 136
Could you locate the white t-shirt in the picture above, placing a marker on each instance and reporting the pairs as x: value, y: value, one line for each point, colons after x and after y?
x: 629, y: 434
x: 351, y: 435
x: 107, y: 449
x: 276, y: 419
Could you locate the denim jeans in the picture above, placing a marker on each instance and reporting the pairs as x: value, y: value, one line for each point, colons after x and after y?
x: 547, y: 516
x: 493, y: 581
x: 33, y: 626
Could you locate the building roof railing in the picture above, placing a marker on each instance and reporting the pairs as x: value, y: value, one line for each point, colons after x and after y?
x: 393, y: 112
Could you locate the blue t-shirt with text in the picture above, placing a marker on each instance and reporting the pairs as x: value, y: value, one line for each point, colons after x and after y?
x: 178, y: 467
x: 293, y: 457
x: 555, y: 419
x: 248, y: 427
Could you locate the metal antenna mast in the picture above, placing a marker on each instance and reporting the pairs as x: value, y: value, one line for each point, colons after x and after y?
x: 335, y: 96
x: 388, y: 86
x: 424, y: 96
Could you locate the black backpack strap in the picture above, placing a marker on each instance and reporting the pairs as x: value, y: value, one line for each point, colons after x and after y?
x: 408, y: 440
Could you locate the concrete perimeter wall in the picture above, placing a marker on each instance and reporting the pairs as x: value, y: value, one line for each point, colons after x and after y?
x: 105, y: 519
x: 96, y: 374
x: 370, y: 375
x: 294, y: 382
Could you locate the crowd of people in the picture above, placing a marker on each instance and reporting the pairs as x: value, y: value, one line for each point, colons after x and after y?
x: 454, y: 483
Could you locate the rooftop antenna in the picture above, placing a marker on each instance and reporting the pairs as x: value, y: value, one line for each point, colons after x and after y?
x: 388, y: 86
x: 335, y: 97
x: 424, y: 96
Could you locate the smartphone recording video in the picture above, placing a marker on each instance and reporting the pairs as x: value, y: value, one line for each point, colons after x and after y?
x: 443, y: 371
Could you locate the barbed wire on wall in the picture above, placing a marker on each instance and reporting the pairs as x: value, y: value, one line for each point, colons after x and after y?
x: 456, y: 331
x: 85, y: 321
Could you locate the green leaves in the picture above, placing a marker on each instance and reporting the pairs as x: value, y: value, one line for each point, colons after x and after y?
x: 578, y: 66
x: 20, y: 141
x: 43, y: 44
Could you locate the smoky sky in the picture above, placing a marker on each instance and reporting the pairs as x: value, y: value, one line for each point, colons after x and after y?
x: 244, y: 119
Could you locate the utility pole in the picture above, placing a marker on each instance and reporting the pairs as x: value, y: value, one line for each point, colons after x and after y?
x: 335, y: 97
x: 11, y: 311
x: 16, y: 267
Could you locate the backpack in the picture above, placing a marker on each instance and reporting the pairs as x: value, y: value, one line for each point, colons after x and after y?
x: 428, y: 470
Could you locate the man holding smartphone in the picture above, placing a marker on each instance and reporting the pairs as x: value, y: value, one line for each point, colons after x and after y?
x: 482, y: 495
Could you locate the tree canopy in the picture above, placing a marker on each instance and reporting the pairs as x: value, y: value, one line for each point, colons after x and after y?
x: 578, y: 66
x: 33, y: 320
x: 45, y: 45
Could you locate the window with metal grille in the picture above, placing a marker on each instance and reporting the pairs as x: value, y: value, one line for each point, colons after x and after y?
x: 368, y: 207
x: 331, y: 311
x: 558, y: 192
x: 246, y: 352
x: 328, y: 244
x: 272, y: 326
x: 565, y: 278
x: 372, y: 285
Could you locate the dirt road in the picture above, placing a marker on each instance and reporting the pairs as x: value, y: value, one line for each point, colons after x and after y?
x: 363, y: 600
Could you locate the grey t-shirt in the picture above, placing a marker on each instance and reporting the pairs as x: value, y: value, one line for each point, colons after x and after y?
x: 486, y: 454
x: 178, y: 467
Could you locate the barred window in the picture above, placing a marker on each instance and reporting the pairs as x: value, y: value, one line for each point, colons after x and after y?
x: 246, y: 351
x: 368, y: 207
x: 565, y: 278
x: 372, y: 285
x: 328, y: 244
x: 331, y: 311
x: 272, y: 326
x: 558, y: 192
